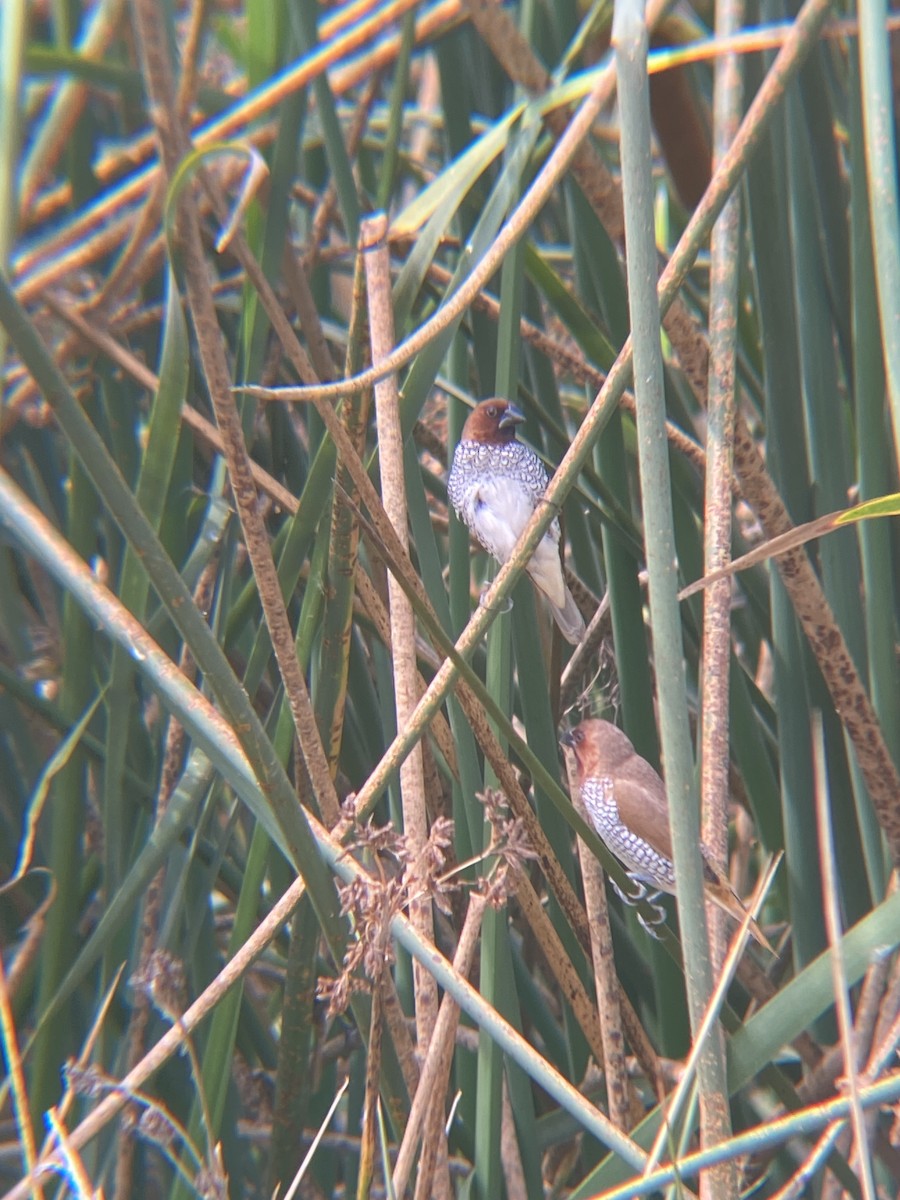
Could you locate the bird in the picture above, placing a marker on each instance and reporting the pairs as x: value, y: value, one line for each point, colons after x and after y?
x: 495, y: 484
x: 626, y: 801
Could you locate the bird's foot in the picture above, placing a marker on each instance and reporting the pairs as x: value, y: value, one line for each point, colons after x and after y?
x: 656, y: 918
x: 506, y: 606
x: 643, y: 892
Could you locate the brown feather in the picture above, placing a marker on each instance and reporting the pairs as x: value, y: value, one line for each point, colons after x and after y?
x: 720, y: 891
x: 644, y: 810
x: 600, y: 749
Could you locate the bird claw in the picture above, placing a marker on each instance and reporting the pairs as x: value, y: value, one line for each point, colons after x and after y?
x: 504, y: 608
x: 649, y: 896
x: 632, y: 898
x: 652, y: 923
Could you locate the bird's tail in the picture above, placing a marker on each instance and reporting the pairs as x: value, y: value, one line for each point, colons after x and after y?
x: 721, y: 893
x: 569, y: 619
x: 546, y: 571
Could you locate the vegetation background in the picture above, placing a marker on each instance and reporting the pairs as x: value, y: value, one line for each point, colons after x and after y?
x: 284, y: 881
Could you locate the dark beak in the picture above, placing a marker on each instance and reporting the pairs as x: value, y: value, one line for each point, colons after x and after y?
x: 512, y: 417
x: 567, y: 739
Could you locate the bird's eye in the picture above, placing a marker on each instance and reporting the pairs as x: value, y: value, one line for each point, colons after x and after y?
x: 492, y: 411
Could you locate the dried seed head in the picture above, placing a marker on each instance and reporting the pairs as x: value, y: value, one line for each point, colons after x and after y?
x: 88, y: 1081
x: 156, y: 1126
x: 164, y: 981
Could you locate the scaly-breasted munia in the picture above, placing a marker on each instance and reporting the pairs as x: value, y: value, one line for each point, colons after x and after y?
x: 495, y: 485
x: 626, y: 801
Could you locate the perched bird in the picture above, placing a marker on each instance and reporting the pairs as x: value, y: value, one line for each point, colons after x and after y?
x: 627, y: 804
x: 495, y: 485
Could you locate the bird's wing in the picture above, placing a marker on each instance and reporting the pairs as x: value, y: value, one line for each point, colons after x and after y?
x: 644, y: 811
x: 545, y: 568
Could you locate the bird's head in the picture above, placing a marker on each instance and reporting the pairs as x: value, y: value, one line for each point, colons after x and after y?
x: 492, y: 422
x: 595, y: 748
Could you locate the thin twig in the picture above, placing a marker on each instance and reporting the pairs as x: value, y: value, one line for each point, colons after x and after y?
x: 403, y: 624
x: 835, y: 933
x: 435, y: 1070
x: 605, y: 981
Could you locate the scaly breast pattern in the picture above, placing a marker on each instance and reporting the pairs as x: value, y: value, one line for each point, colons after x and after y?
x: 598, y: 794
x: 494, y: 490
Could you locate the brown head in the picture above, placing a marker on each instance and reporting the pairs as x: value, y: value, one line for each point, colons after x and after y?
x: 492, y: 422
x: 598, y: 748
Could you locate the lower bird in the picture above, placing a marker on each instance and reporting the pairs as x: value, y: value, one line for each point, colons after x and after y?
x: 495, y: 484
x: 626, y: 801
